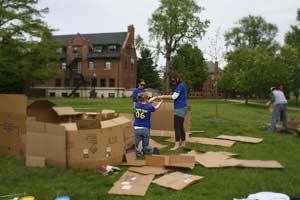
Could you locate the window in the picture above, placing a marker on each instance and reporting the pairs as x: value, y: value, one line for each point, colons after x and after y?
x: 107, y: 65
x: 57, y: 82
x: 77, y: 67
x: 98, y: 49
x: 51, y: 94
x: 76, y: 49
x: 112, y: 48
x: 64, y: 94
x: 63, y: 66
x: 102, y: 82
x: 67, y: 82
x: 111, y: 82
x: 91, y: 65
x: 111, y: 95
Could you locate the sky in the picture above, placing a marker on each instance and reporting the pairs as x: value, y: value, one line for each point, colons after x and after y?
x: 102, y: 16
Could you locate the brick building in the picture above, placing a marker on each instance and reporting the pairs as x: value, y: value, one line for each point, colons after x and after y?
x: 108, y: 57
x: 209, y: 88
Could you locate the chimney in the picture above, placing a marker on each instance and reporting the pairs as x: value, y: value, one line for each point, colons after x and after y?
x: 131, y: 30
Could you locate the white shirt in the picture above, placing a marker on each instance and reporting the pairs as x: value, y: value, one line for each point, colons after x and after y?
x: 279, y: 97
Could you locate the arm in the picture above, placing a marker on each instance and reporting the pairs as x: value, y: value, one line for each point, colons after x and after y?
x: 158, y: 105
x: 174, y: 96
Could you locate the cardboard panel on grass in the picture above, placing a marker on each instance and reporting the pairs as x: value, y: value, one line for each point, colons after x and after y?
x: 12, y: 123
x: 162, y: 121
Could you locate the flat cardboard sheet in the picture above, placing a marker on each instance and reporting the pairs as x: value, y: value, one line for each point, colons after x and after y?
x: 181, y: 161
x: 132, y: 184
x: 210, y: 141
x: 241, y: 139
x: 216, y: 160
x: 272, y: 164
x: 149, y: 170
x: 176, y: 180
x: 69, y: 126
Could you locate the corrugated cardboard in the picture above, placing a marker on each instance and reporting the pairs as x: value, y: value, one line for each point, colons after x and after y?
x: 108, y: 114
x: 210, y: 141
x: 132, y: 184
x: 130, y: 160
x: 65, y: 111
x: 177, y: 180
x: 47, y: 140
x: 216, y: 160
x: 163, y: 120
x: 149, y: 170
x: 42, y: 111
x: 241, y: 139
x: 69, y: 126
x: 12, y: 123
x: 182, y: 161
x: 85, y: 124
x: 94, y: 147
x: 272, y: 164
x: 35, y: 161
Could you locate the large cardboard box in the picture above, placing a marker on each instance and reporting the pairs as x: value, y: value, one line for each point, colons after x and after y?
x: 12, y: 123
x: 162, y: 121
x: 94, y: 147
x: 46, y: 140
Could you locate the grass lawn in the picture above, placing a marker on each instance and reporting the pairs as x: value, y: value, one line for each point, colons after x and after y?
x: 218, y: 184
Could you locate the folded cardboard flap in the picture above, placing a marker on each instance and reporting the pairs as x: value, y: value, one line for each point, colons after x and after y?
x: 69, y: 126
x: 108, y: 114
x: 65, y: 111
x: 132, y: 184
x: 177, y: 180
x: 183, y: 161
x: 155, y: 160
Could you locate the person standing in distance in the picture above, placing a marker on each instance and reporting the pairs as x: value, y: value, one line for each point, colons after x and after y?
x: 180, y: 108
x: 280, y: 108
x: 138, y: 90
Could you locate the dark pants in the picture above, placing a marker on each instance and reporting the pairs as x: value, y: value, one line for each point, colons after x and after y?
x: 179, y: 129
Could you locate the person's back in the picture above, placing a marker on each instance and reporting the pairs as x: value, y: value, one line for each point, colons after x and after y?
x: 279, y: 97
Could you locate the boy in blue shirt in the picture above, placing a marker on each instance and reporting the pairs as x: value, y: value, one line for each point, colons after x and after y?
x: 142, y: 116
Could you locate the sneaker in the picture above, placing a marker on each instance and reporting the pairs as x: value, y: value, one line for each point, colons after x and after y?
x: 156, y: 151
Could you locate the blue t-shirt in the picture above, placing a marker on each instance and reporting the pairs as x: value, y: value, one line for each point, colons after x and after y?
x: 142, y: 114
x: 135, y: 92
x: 180, y: 102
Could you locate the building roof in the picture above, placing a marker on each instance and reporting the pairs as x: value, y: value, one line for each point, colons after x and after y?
x: 96, y: 38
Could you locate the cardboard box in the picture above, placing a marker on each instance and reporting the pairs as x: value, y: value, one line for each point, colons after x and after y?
x: 130, y: 160
x: 132, y: 184
x: 177, y: 180
x: 94, y: 147
x: 163, y: 120
x: 47, y: 140
x: 12, y: 123
x: 85, y: 124
x: 149, y: 170
x: 108, y: 114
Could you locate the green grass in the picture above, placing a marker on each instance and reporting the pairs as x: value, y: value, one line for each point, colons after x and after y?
x: 218, y: 184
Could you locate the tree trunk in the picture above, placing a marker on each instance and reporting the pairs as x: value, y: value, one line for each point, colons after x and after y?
x: 167, y: 73
x: 297, y: 98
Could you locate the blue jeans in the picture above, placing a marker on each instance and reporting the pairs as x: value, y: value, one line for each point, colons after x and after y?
x: 280, y: 109
x: 142, y: 134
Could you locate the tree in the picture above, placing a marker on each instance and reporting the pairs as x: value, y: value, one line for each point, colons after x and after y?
x: 147, y: 69
x: 27, y: 51
x: 252, y: 32
x: 189, y: 62
x: 175, y: 22
x: 290, y: 54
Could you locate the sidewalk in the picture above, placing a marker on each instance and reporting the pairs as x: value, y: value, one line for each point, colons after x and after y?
x: 259, y: 104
